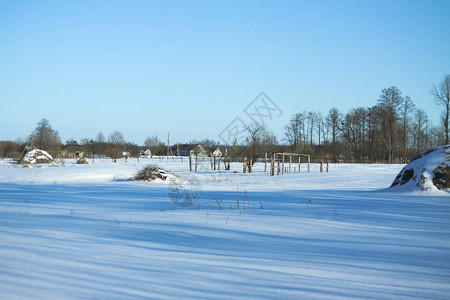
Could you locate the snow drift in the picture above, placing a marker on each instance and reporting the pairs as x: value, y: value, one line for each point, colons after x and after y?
x: 428, y: 171
x: 36, y: 156
x: 77, y: 232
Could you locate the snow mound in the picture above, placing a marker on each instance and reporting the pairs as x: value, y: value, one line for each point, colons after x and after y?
x: 36, y: 156
x: 428, y: 171
x: 83, y: 161
x: 154, y: 172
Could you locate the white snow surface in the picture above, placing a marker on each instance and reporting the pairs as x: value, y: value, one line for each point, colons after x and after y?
x: 34, y: 155
x: 87, y: 232
x: 423, y: 168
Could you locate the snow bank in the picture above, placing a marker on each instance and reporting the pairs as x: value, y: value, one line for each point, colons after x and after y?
x: 428, y: 171
x: 36, y: 156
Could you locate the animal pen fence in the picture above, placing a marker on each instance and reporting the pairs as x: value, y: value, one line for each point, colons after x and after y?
x: 285, y: 169
x: 283, y: 160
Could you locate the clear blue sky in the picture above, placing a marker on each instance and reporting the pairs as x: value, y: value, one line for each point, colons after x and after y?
x: 191, y: 67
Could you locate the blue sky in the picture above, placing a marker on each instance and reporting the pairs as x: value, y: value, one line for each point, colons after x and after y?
x: 191, y: 67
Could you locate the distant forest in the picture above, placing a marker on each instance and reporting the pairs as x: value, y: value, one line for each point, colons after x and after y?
x: 392, y: 131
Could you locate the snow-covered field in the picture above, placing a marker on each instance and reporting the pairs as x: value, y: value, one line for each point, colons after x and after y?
x: 85, y: 231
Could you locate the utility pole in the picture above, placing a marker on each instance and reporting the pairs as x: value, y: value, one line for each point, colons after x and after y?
x: 169, y: 149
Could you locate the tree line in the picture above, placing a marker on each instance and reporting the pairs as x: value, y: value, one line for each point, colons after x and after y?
x: 393, y: 130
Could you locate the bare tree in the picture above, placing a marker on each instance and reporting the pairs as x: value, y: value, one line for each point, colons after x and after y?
x: 320, y: 127
x: 45, y: 137
x: 436, y: 135
x: 390, y: 101
x: 294, y: 130
x: 406, y: 109
x: 348, y: 128
x: 88, y: 147
x: 311, y: 118
x: 100, y: 138
x: 116, y: 138
x: 114, y: 153
x: 441, y: 96
x: 257, y: 138
x: 116, y: 144
x: 152, y: 141
x: 333, y: 119
x: 420, y: 129
x: 99, y: 146
x: 209, y: 145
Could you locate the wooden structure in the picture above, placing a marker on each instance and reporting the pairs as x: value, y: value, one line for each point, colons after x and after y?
x: 287, y: 169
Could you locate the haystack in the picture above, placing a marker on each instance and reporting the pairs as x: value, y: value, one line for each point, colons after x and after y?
x: 83, y: 161
x: 36, y: 156
x: 152, y: 172
x: 428, y: 171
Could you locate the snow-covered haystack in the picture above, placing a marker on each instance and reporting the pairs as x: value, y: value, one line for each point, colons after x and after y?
x: 36, y: 156
x: 152, y: 172
x: 428, y: 171
x: 83, y: 161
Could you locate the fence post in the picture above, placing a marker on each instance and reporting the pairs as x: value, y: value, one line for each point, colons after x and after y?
x: 290, y: 162
x: 212, y: 167
x: 299, y: 159
x: 190, y: 163
x: 283, y: 166
x: 321, y: 167
x: 328, y: 165
x: 309, y: 163
x: 196, y: 162
x: 245, y: 165
x: 265, y: 162
x: 278, y: 170
x: 272, y: 168
x: 250, y: 166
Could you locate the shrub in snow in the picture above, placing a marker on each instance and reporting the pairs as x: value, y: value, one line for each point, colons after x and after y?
x: 430, y: 170
x: 152, y: 172
x: 36, y: 156
x: 83, y: 161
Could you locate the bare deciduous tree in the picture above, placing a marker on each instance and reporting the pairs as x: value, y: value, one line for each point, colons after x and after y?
x: 257, y: 138
x: 294, y: 130
x: 333, y: 119
x: 152, y: 141
x: 116, y: 138
x: 390, y: 100
x: 100, y: 138
x: 420, y: 128
x: 311, y: 118
x: 406, y: 109
x: 45, y: 137
x: 441, y: 96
